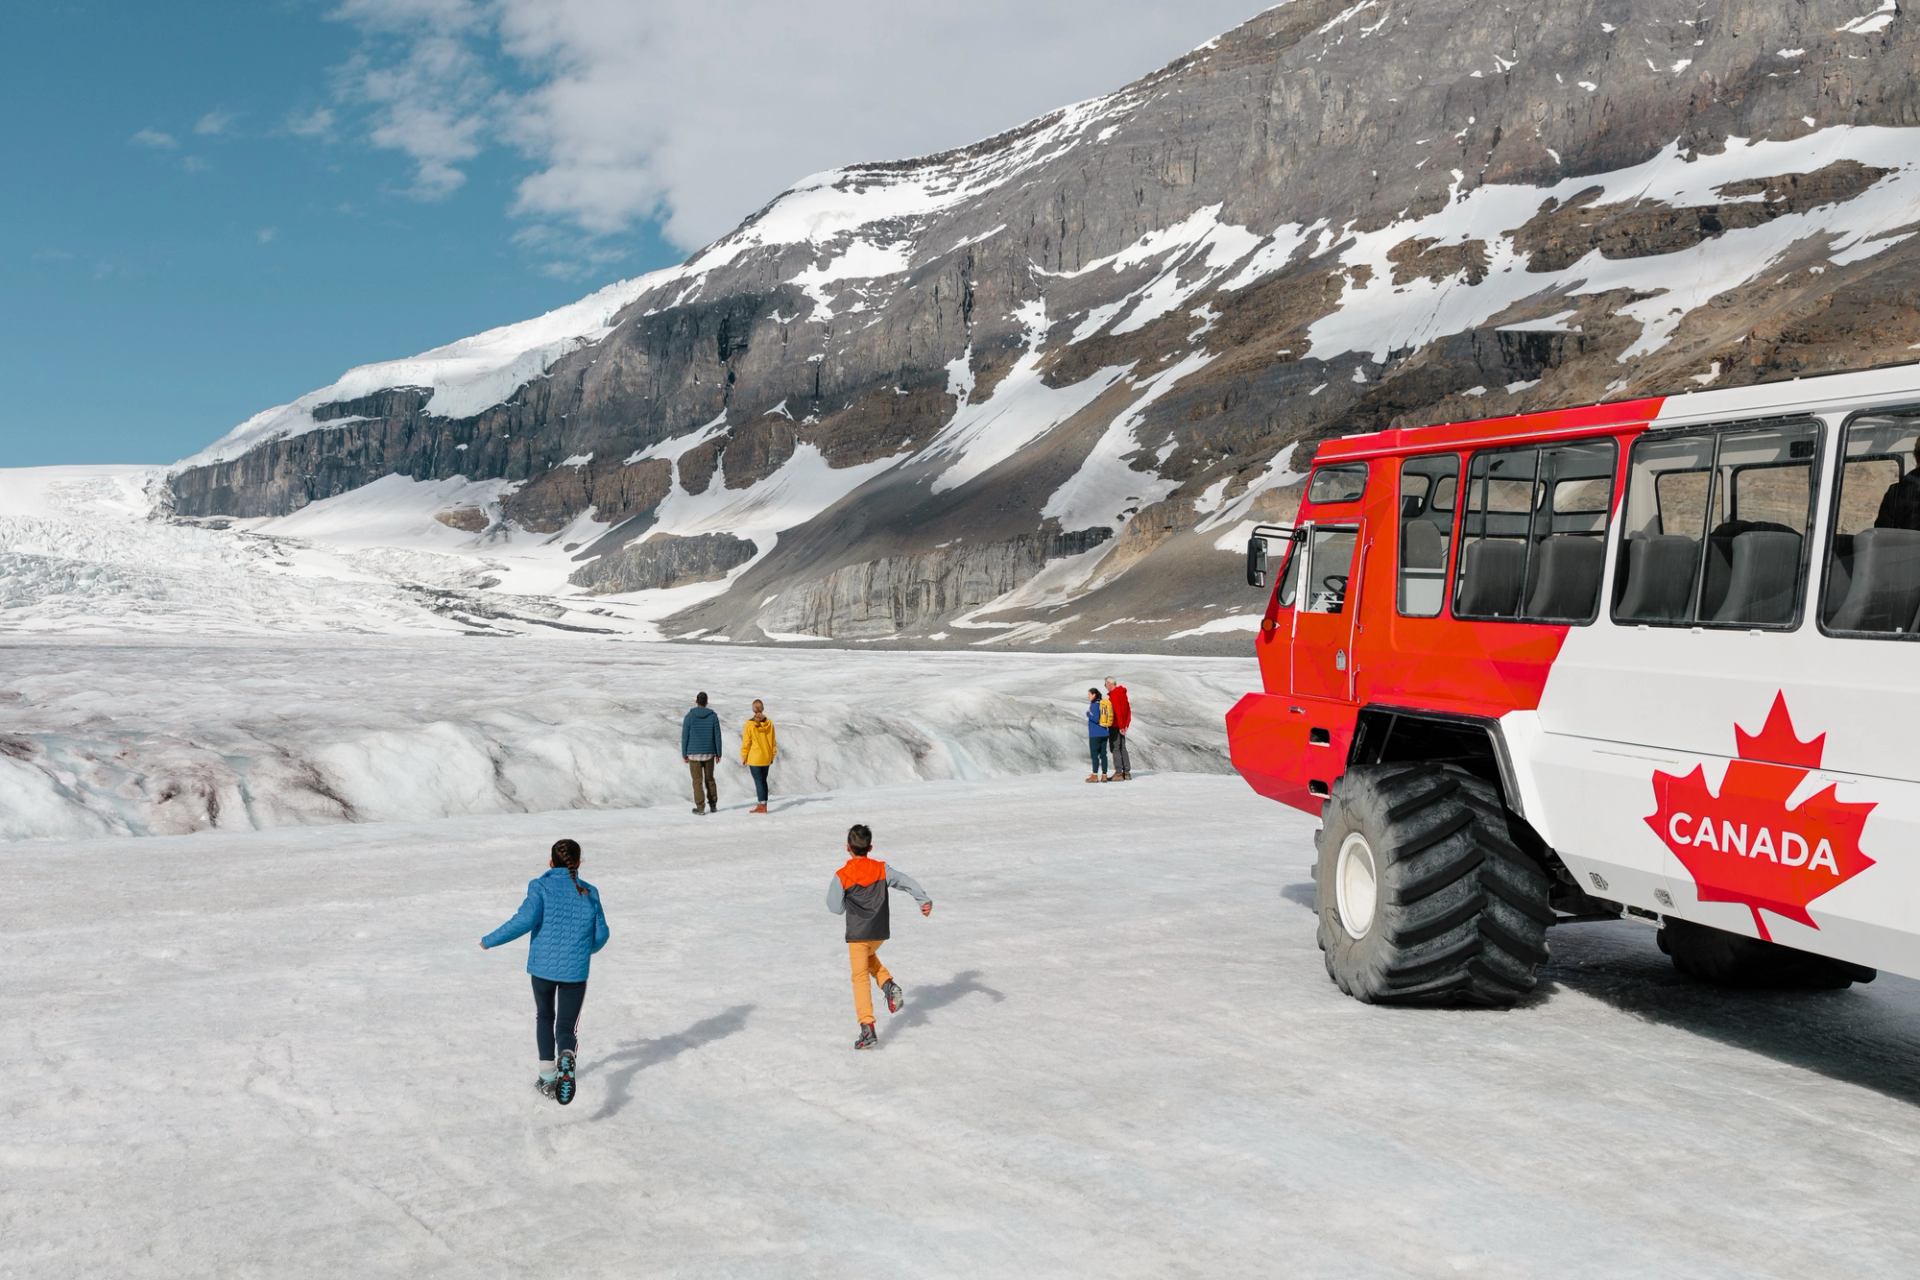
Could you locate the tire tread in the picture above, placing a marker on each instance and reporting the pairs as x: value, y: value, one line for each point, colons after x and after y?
x: 1463, y: 909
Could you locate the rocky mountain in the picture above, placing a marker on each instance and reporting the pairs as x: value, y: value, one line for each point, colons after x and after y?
x: 1030, y: 391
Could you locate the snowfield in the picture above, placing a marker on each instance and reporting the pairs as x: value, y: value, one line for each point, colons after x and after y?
x: 166, y: 737
x: 282, y: 1054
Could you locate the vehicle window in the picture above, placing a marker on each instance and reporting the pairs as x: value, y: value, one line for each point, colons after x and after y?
x: 1426, y: 533
x: 1873, y: 553
x: 1534, y: 531
x: 1290, y: 575
x: 1586, y: 497
x: 1681, y: 495
x: 1774, y: 494
x: 1338, y: 484
x: 1715, y: 526
x: 1330, y: 570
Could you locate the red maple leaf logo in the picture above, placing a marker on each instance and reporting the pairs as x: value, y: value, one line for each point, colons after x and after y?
x: 1744, y: 844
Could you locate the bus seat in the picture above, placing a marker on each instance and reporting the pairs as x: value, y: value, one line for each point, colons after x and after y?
x: 1659, y: 586
x: 1423, y: 545
x: 1491, y: 575
x: 1719, y: 571
x: 1839, y: 576
x: 1720, y: 544
x: 1885, y: 592
x: 1764, y: 576
x: 1566, y: 578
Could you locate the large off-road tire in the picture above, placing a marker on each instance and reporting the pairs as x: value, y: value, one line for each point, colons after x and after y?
x: 1733, y: 960
x: 1424, y: 895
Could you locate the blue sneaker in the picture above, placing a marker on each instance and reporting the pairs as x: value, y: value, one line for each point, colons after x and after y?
x: 563, y: 1083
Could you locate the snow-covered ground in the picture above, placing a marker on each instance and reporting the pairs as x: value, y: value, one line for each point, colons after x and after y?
x: 282, y: 1054
x: 164, y: 736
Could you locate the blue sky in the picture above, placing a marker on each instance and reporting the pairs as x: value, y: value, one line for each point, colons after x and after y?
x: 211, y: 208
x: 153, y: 295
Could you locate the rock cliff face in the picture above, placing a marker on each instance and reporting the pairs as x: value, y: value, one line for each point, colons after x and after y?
x: 664, y: 561
x: 1000, y: 380
x: 893, y: 594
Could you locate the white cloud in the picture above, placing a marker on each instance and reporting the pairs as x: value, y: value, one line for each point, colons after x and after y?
x: 317, y: 123
x: 154, y: 138
x: 214, y: 123
x: 266, y: 235
x: 194, y: 164
x: 694, y: 113
x: 429, y: 103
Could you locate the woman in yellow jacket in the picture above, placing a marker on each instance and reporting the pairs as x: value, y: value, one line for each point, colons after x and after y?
x: 757, y: 749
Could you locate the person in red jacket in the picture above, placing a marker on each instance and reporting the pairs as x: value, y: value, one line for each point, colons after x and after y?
x: 1117, y: 735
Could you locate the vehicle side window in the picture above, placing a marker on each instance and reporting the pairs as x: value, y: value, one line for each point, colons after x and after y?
x: 1681, y: 496
x: 1873, y: 551
x: 1330, y: 565
x: 1533, y: 534
x: 1290, y: 576
x: 1343, y: 483
x: 1716, y: 523
x: 1427, y: 487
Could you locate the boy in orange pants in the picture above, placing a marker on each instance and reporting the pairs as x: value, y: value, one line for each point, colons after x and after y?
x: 858, y: 891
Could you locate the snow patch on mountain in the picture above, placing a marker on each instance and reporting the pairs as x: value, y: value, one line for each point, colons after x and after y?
x: 465, y: 377
x: 1378, y: 316
x: 1193, y: 253
x: 860, y: 260
x: 673, y: 448
x: 806, y: 485
x: 1021, y: 409
x: 395, y: 511
x: 1108, y: 487
x: 826, y: 206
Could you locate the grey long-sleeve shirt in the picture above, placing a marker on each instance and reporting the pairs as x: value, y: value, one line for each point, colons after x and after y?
x: 859, y: 892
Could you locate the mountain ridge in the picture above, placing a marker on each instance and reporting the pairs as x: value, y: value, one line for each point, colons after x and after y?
x: 1032, y: 389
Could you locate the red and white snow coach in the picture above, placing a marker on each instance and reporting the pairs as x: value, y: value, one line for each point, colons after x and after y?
x: 1651, y: 659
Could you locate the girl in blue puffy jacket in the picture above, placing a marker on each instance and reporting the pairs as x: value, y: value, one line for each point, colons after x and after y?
x: 563, y: 913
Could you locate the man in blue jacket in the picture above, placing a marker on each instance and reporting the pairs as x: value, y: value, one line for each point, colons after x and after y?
x: 700, y: 748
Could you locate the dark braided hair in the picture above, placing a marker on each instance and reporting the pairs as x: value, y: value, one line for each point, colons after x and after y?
x: 566, y: 853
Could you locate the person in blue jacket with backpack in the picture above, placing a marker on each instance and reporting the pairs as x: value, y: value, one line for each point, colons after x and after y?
x: 564, y: 915
x: 700, y: 748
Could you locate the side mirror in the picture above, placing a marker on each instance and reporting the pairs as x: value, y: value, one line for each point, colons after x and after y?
x: 1257, y: 550
x: 1256, y: 561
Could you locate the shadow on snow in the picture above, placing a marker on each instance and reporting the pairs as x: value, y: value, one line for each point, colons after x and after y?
x: 920, y: 1000
x: 619, y: 1067
x: 1865, y: 1036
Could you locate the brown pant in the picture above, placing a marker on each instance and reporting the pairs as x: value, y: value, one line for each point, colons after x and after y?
x: 703, y: 777
x: 864, y: 958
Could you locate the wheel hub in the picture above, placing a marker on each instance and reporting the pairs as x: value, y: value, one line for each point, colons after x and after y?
x: 1356, y: 886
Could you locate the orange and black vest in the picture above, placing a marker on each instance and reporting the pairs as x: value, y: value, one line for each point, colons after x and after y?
x: 864, y: 881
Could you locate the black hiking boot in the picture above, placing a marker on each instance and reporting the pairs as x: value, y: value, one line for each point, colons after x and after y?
x: 543, y: 1086
x: 563, y: 1084
x: 867, y: 1040
x: 894, y: 998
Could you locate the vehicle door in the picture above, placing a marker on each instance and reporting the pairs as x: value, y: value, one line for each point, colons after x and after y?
x: 1327, y: 603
